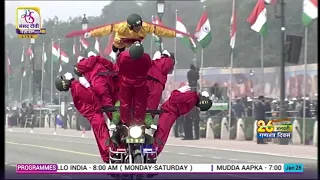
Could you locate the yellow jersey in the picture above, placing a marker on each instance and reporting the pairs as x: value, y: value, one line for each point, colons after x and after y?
x: 124, y: 37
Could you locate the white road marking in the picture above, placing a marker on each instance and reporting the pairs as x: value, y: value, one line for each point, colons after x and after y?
x: 244, y: 151
x: 252, y: 161
x: 198, y: 147
x: 216, y: 157
x: 195, y: 155
x: 233, y: 159
x: 182, y: 153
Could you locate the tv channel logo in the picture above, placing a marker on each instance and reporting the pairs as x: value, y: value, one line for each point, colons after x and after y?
x: 277, y: 128
x: 28, y: 22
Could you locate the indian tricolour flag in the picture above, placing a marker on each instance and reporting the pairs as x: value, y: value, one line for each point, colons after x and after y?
x: 156, y: 20
x: 108, y: 50
x: 186, y: 40
x: 272, y: 2
x: 97, y: 46
x: 75, y: 49
x: 96, y: 50
x: 84, y: 43
x: 23, y: 68
x: 258, y: 18
x: 44, y: 59
x: 310, y: 11
x: 58, y: 55
x: 9, y: 70
x: 203, y: 30
x: 233, y: 25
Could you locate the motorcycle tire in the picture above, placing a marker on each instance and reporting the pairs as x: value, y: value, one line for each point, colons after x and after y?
x: 137, y: 159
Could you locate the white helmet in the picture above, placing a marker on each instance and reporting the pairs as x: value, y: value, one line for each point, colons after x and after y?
x: 205, y: 94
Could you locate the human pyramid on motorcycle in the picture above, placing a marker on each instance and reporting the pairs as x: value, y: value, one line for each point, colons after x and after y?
x: 134, y: 84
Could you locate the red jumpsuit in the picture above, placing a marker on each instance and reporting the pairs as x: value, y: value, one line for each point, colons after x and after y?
x: 88, y: 105
x: 102, y: 84
x: 159, y: 71
x: 177, y: 105
x: 133, y: 75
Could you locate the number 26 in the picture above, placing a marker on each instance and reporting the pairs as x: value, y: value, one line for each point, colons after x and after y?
x: 262, y: 127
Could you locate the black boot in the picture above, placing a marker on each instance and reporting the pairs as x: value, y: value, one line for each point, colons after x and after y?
x: 151, y: 160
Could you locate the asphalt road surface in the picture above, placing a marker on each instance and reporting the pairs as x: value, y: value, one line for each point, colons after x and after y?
x: 34, y: 148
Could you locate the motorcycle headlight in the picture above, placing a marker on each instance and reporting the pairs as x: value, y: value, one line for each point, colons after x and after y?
x: 135, y: 132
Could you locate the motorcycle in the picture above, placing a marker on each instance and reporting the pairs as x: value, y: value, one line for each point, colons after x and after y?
x: 137, y: 146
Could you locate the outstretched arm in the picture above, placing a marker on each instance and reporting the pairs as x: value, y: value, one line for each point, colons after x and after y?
x: 159, y: 30
x: 108, y: 29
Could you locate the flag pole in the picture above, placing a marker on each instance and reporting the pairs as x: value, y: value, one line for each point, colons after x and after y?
x: 151, y: 41
x: 21, y: 81
x: 30, y: 78
x: 41, y: 87
x: 201, y: 63
x: 230, y: 92
x: 232, y: 45
x: 201, y: 67
x: 175, y: 53
x: 74, y: 48
x: 262, y: 60
x: 21, y: 84
x: 8, y: 70
x: 59, y: 45
x: 51, y: 75
x: 305, y: 84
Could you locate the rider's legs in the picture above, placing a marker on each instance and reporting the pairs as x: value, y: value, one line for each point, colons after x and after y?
x: 101, y: 133
x: 125, y: 97
x: 154, y: 94
x: 165, y: 122
x: 140, y: 98
x: 116, y: 51
x: 103, y: 91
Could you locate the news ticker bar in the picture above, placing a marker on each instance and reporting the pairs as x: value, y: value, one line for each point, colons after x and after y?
x: 158, y: 168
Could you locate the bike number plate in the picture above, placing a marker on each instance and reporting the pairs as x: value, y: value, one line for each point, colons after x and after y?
x: 135, y: 140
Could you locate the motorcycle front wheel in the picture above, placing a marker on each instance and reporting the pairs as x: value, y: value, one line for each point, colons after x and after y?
x: 137, y: 159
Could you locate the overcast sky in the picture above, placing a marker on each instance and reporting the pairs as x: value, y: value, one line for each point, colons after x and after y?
x: 62, y: 9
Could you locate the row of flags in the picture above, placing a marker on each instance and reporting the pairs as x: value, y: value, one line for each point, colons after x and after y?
x: 258, y: 17
x: 257, y: 20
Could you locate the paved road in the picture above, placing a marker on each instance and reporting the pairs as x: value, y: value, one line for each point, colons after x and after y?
x: 24, y: 147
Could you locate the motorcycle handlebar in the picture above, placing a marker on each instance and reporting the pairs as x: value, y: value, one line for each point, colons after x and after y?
x: 114, y: 109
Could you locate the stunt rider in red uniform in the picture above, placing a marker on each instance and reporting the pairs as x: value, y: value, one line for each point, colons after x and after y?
x: 158, y: 73
x: 133, y: 66
x: 180, y: 102
x: 94, y: 69
x: 88, y: 105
